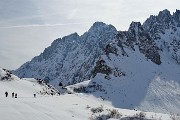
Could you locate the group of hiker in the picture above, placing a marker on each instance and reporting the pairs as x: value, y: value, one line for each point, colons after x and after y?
x: 14, y: 95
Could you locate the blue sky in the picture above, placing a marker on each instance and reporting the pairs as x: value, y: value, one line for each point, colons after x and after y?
x: 27, y: 27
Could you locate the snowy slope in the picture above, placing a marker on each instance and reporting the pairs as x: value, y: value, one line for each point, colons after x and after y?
x: 156, y: 90
x: 45, y: 107
x: 26, y: 87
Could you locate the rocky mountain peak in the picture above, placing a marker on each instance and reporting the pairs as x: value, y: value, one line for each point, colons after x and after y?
x: 71, y: 36
x: 135, y: 27
x: 137, y: 36
x: 176, y: 17
x: 177, y: 12
x: 98, y: 35
x: 164, y: 17
x: 156, y: 25
x: 164, y: 13
x: 99, y: 27
x: 164, y: 20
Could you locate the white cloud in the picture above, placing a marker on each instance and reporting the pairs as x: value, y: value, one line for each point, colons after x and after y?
x: 44, y: 25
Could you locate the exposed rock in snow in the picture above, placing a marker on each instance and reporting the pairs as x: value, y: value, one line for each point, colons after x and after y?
x: 137, y: 36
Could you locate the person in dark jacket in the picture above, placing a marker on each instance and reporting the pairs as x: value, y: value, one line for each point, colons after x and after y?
x: 13, y: 95
x: 6, y: 93
x: 34, y: 95
x: 16, y: 95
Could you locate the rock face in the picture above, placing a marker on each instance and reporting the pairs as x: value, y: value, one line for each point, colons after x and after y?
x: 164, y: 29
x: 6, y: 75
x: 75, y: 58
x: 137, y: 36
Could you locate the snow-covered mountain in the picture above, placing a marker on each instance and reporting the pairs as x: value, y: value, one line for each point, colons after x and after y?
x: 70, y: 59
x: 138, y: 68
x: 164, y: 29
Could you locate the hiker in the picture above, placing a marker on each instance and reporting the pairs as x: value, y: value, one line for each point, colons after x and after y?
x: 13, y: 95
x: 6, y: 93
x: 34, y: 95
x: 16, y: 95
